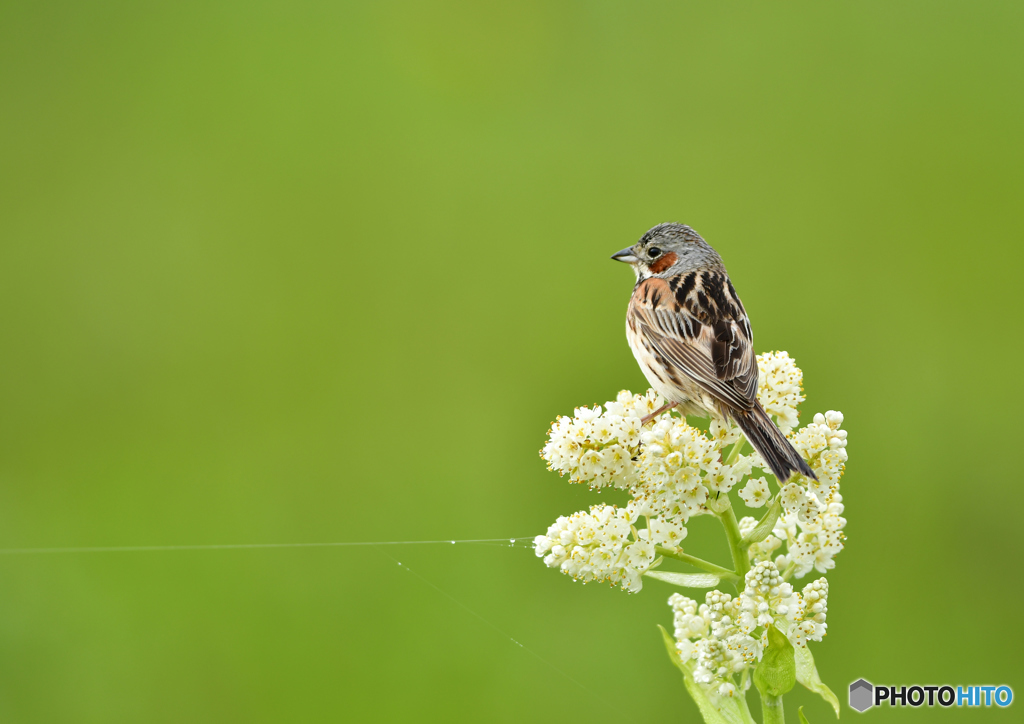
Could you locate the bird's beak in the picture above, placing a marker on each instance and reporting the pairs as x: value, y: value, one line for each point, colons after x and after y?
x: 626, y: 255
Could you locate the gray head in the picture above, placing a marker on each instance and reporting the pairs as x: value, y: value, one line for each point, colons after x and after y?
x: 667, y: 250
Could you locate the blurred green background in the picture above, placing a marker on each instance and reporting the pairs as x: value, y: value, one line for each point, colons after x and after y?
x: 285, y: 272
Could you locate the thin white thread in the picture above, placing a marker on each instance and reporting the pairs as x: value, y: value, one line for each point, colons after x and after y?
x: 511, y: 542
x: 500, y: 542
x: 466, y: 608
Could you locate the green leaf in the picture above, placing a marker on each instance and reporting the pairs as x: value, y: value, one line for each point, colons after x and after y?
x: 765, y: 525
x: 803, y: 719
x: 673, y: 652
x: 727, y: 712
x: 730, y: 710
x: 776, y: 674
x: 807, y: 674
x: 687, y: 580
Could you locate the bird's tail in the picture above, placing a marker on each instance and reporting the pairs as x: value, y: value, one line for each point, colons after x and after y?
x: 768, y: 440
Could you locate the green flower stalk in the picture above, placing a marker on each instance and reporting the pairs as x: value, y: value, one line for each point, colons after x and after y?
x: 756, y: 637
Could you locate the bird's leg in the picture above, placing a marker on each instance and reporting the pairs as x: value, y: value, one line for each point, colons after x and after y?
x: 644, y: 420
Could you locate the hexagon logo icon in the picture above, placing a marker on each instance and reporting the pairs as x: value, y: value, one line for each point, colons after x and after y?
x: 862, y: 695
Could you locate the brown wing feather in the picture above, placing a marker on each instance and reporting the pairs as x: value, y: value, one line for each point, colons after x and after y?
x: 698, y: 323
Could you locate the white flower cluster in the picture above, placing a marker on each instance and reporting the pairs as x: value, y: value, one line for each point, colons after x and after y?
x: 669, y: 470
x: 780, y: 387
x: 823, y: 444
x: 596, y: 546
x: 815, y: 606
x: 725, y: 636
x: 679, y: 465
x: 674, y: 471
x: 812, y: 523
x: 595, y: 445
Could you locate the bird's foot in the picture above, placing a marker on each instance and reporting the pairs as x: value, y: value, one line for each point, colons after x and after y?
x: 644, y: 420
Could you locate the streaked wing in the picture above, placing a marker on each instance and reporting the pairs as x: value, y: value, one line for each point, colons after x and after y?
x: 697, y: 324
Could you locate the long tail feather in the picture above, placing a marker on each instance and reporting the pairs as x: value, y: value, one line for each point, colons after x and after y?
x: 768, y: 440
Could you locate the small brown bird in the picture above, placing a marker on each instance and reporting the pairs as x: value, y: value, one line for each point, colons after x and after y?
x: 688, y: 330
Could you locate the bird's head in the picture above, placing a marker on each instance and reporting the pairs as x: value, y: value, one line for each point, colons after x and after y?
x: 669, y: 249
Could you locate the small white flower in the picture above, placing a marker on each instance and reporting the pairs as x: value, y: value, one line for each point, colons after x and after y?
x: 629, y: 431
x: 745, y: 647
x: 809, y: 510
x: 720, y: 478
x: 605, y: 429
x: 800, y: 632
x: 666, y: 533
x: 725, y: 434
x: 793, y: 496
x: 591, y: 464
x: 755, y: 493
x: 639, y: 555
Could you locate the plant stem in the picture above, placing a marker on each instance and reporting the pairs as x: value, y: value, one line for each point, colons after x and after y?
x: 771, y: 710
x: 740, y: 558
x: 697, y: 562
x: 742, y: 694
x: 734, y: 453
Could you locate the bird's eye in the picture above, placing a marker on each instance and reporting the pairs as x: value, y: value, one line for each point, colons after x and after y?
x: 654, y: 252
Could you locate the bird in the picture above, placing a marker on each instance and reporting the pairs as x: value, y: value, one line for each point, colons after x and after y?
x: 691, y: 336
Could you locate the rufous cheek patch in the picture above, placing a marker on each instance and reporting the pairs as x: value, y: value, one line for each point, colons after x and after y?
x: 664, y: 262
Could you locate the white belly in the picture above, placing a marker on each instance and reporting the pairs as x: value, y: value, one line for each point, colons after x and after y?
x: 690, y: 397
